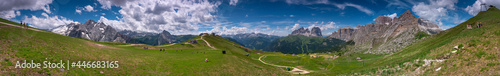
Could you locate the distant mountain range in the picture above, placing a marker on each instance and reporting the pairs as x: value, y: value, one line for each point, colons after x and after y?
x: 91, y: 30
x: 304, y: 41
x: 315, y: 32
x: 155, y: 38
x: 98, y: 31
x: 256, y: 41
x: 386, y: 35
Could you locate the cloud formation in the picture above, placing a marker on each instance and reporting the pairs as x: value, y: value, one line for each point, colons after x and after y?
x: 229, y: 31
x: 78, y: 11
x: 89, y: 8
x: 391, y: 15
x: 9, y: 7
x: 359, y: 7
x: 326, y: 2
x: 233, y: 2
x: 47, y: 22
x: 476, y: 7
x: 295, y: 27
x: 158, y: 15
x: 9, y: 14
x: 435, y: 10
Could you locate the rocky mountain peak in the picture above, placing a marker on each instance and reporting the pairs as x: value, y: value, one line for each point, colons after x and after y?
x: 315, y: 32
x: 165, y: 37
x: 165, y: 32
x: 383, y: 20
x: 345, y: 33
x: 386, y: 35
x: 89, y: 22
x: 406, y: 16
x: 91, y: 30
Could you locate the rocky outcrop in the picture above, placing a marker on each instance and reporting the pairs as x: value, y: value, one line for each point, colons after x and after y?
x: 345, y: 33
x: 387, y: 35
x: 165, y: 37
x: 383, y: 20
x: 92, y: 30
x: 315, y: 32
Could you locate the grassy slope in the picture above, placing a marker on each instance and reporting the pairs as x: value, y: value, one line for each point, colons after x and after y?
x: 437, y: 46
x: 21, y: 44
x: 480, y: 56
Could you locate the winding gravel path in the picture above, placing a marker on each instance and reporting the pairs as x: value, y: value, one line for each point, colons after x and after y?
x: 294, y: 71
x: 21, y: 27
x: 207, y: 42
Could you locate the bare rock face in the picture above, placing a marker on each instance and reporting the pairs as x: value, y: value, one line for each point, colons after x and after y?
x: 387, y: 35
x: 165, y: 37
x: 92, y: 30
x: 383, y: 20
x: 345, y: 33
x: 315, y: 32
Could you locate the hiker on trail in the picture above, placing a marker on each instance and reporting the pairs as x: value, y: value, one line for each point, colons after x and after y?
x: 288, y: 68
x: 206, y: 59
x: 480, y: 24
x: 247, y: 54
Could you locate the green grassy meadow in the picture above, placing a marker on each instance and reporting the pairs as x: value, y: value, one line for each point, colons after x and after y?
x: 479, y: 55
x: 21, y: 44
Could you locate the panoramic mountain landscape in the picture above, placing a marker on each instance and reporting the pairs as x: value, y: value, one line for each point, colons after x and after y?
x: 250, y: 37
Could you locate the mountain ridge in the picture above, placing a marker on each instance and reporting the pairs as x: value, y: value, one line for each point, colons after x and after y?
x: 387, y: 35
x: 91, y: 30
x: 315, y: 32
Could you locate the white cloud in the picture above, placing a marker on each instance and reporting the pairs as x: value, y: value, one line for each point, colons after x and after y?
x: 307, y: 2
x: 47, y: 22
x: 326, y: 2
x: 106, y: 4
x: 328, y: 26
x: 295, y: 27
x: 391, y: 15
x: 292, y: 15
x: 78, y: 11
x: 158, y: 15
x: 89, y: 8
x: 233, y: 2
x: 8, y: 8
x: 436, y: 10
x: 476, y: 7
x: 398, y: 3
x: 229, y: 31
x: 115, y: 23
x: 45, y: 15
x: 18, y: 13
x: 359, y: 7
x: 9, y: 14
x: 33, y: 5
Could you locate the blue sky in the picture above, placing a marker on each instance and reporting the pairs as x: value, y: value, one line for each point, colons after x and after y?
x: 275, y: 17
